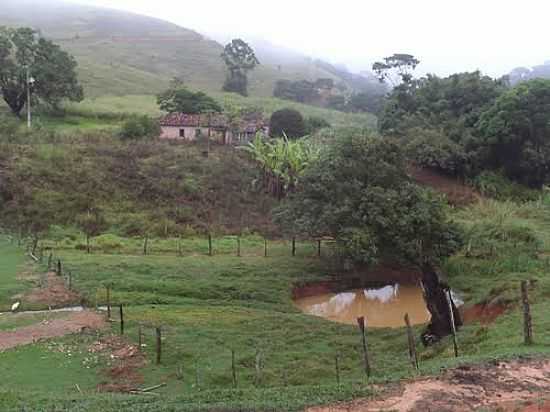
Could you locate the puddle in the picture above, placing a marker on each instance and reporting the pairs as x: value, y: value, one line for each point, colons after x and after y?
x: 381, y: 306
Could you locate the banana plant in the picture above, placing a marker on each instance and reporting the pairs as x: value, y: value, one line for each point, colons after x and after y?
x: 282, y: 162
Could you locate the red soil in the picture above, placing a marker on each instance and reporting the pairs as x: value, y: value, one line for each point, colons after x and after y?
x: 457, y: 193
x: 55, y: 294
x: 76, y: 322
x: 496, y: 386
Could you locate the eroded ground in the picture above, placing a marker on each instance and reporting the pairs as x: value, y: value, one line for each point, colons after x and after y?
x: 518, y: 385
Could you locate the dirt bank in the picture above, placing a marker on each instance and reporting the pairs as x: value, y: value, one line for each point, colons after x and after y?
x: 457, y: 193
x: 503, y: 386
x: 76, y: 322
x: 378, y: 276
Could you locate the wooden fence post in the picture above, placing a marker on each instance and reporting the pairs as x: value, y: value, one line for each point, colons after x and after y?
x: 210, y: 251
x: 233, y: 368
x: 337, y: 365
x: 159, y: 344
x: 362, y: 327
x: 140, y: 337
x: 294, y: 246
x: 121, y: 320
x: 108, y: 302
x: 59, y: 268
x: 238, y: 246
x: 527, y: 321
x: 145, y: 243
x: 452, y: 321
x: 412, y: 346
x: 265, y: 247
x: 197, y: 380
x: 258, y: 367
x: 319, y: 248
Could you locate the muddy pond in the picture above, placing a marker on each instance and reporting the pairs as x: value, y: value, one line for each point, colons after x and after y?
x: 384, y: 306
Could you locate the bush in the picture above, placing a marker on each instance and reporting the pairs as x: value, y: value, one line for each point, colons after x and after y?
x: 314, y: 123
x: 289, y: 122
x: 496, y: 186
x: 138, y: 127
x: 108, y: 242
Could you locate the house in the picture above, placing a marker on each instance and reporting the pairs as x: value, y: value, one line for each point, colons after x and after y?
x: 217, y: 127
x: 190, y: 127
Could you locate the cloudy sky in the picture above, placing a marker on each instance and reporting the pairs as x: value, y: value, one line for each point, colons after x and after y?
x: 447, y: 35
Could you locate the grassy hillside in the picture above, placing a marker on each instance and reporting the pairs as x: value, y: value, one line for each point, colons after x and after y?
x: 123, y: 53
x: 112, y: 106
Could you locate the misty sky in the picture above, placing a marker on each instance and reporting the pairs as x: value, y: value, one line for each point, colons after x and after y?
x: 446, y: 35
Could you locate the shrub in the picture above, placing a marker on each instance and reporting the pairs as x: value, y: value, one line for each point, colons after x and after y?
x: 314, y: 123
x: 108, y: 242
x: 289, y: 122
x: 138, y: 127
x: 495, y: 185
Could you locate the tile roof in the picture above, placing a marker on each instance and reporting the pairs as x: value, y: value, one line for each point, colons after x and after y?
x: 192, y: 120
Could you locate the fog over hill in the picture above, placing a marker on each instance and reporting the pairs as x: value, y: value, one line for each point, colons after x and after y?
x: 121, y: 52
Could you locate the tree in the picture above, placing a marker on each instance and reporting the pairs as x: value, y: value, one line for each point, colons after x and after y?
x: 53, y: 69
x: 359, y: 193
x: 514, y: 132
x: 366, y: 102
x: 452, y: 104
x: 287, y: 122
x: 396, y: 68
x: 92, y: 224
x: 239, y: 58
x: 179, y: 99
x: 138, y: 127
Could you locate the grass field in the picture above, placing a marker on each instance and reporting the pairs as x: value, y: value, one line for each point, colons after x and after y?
x: 209, y: 306
x: 12, y: 262
x: 109, y: 107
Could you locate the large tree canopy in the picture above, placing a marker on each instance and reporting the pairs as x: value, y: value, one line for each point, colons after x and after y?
x: 287, y: 122
x: 53, y: 69
x: 239, y: 58
x: 516, y: 132
x: 359, y: 192
x: 181, y: 100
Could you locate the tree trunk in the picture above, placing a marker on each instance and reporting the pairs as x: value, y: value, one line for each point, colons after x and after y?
x: 436, y: 301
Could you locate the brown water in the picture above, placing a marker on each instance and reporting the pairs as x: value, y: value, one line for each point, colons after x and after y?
x: 382, y: 307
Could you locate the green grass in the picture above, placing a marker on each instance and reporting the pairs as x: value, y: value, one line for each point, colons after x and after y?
x: 12, y: 262
x: 110, y: 106
x: 209, y: 306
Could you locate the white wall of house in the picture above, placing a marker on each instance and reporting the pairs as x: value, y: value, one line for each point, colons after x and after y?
x: 190, y: 134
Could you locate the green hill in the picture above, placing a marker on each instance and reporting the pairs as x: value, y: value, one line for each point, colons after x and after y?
x: 121, y: 53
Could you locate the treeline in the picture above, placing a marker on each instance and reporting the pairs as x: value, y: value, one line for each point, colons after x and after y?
x: 468, y: 123
x: 324, y: 92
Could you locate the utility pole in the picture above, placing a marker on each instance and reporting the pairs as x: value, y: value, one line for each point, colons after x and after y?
x: 30, y: 82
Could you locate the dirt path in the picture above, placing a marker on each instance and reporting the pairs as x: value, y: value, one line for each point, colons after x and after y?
x: 51, y: 329
x: 504, y: 386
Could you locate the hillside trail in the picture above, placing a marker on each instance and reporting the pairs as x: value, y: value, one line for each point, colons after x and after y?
x: 54, y: 294
x: 513, y: 386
